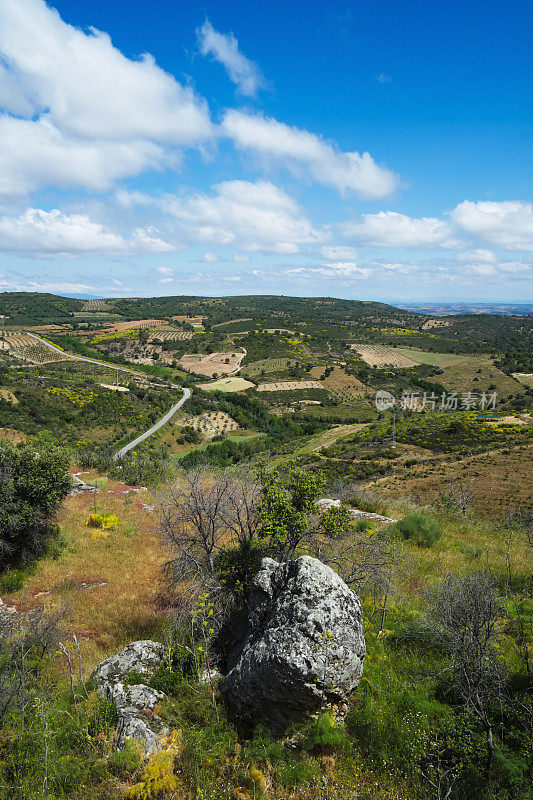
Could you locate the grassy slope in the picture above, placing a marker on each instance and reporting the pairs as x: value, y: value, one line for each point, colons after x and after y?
x: 107, y: 617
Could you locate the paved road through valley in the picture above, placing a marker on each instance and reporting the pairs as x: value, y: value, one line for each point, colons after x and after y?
x: 150, y: 431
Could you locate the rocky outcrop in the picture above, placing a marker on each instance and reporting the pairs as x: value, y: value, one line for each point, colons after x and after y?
x: 79, y: 486
x: 304, y: 645
x: 135, y: 704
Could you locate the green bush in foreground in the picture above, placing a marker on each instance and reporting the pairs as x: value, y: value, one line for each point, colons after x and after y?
x: 420, y: 528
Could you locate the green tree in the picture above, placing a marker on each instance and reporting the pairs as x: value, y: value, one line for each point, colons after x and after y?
x: 287, y: 502
x: 34, y: 479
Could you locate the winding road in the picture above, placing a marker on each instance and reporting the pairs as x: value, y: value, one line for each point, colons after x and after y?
x: 159, y: 424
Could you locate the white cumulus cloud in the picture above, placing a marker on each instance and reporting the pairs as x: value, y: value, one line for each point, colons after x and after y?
x: 391, y: 229
x: 508, y: 224
x: 51, y: 233
x: 308, y: 154
x: 249, y: 216
x: 343, y: 270
x: 339, y: 253
x: 224, y: 48
x: 77, y: 111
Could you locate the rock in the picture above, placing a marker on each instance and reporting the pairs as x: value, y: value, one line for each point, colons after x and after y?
x: 136, y: 718
x: 80, y: 486
x: 135, y: 704
x: 304, y: 646
x: 143, y: 656
x: 326, y: 503
x: 357, y: 514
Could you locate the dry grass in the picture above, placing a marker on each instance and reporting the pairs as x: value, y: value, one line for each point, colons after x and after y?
x: 12, y: 435
x: 108, y: 586
x: 477, y: 373
x: 524, y: 377
x: 501, y: 480
x: 342, y: 385
x: 8, y: 395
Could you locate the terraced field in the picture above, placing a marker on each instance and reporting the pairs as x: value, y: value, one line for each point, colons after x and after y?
x: 171, y: 336
x: 213, y: 364
x: 97, y: 305
x: 287, y: 386
x: 26, y: 348
x: 266, y: 365
x: 379, y: 356
x: 212, y: 423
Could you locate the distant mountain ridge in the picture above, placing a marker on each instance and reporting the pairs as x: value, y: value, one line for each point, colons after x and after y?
x: 448, y: 309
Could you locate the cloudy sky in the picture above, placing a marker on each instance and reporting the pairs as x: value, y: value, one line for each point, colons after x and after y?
x: 372, y: 150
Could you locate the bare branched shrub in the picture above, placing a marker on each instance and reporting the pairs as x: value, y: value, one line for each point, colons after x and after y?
x: 201, y: 514
x: 25, y: 642
x: 466, y: 616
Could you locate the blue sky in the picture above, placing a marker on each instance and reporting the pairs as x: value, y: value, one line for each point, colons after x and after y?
x: 371, y: 150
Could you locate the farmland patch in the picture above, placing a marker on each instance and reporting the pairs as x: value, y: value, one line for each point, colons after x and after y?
x: 287, y: 386
x: 233, y: 384
x: 5, y: 394
x: 213, y: 364
x: 526, y: 378
x: 212, y: 423
x: 379, y: 356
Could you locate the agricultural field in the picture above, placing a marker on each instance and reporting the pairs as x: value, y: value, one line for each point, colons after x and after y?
x: 435, y: 359
x: 289, y: 386
x: 479, y: 374
x: 231, y: 322
x: 266, y: 366
x: 212, y: 423
x: 138, y: 324
x: 170, y: 336
x: 526, y: 378
x: 25, y: 348
x: 213, y: 364
x: 97, y: 305
x: 233, y: 384
x: 381, y: 357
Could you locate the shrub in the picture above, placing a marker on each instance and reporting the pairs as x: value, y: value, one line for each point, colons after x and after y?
x: 34, y: 481
x: 420, y: 528
x: 110, y: 522
x: 325, y: 735
x: 158, y: 777
x: 126, y: 761
x: 94, y: 521
x: 236, y: 567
